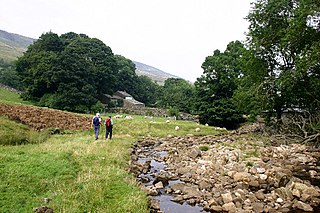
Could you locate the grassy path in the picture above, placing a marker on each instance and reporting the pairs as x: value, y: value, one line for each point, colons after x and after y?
x: 78, y: 173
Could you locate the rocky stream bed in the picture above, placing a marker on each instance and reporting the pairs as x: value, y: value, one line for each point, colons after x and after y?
x: 227, y: 173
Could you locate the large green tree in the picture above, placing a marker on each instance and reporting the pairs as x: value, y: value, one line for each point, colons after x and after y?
x: 215, y: 88
x: 177, y: 93
x: 282, y: 39
x: 69, y: 72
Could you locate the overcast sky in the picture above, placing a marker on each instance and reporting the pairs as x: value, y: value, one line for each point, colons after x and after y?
x: 172, y: 35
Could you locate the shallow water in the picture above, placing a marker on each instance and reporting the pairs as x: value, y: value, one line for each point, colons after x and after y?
x: 166, y: 204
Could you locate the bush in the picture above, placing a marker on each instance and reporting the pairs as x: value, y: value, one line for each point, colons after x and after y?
x: 173, y: 111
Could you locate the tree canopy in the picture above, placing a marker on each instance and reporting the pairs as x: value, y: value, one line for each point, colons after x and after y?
x: 69, y: 72
x: 177, y: 93
x: 285, y: 47
x: 215, y: 88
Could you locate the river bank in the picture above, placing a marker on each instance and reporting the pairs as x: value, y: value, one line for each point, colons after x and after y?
x: 230, y: 172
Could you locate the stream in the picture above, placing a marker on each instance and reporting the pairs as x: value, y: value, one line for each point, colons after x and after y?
x: 164, y: 198
x: 178, y: 177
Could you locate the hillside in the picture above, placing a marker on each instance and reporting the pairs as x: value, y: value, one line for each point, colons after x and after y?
x: 152, y: 72
x: 13, y: 45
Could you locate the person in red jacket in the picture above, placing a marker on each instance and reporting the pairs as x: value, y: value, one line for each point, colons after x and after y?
x: 109, y: 125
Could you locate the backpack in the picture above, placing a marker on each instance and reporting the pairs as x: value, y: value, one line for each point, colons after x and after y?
x: 96, y: 121
x: 108, y: 122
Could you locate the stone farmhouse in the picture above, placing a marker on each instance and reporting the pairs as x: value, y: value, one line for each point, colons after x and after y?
x: 121, y: 99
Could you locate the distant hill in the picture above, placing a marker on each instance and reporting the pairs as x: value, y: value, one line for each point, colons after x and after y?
x: 152, y: 72
x: 13, y: 45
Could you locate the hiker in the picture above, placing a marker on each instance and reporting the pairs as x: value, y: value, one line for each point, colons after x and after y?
x: 96, y: 122
x: 109, y: 125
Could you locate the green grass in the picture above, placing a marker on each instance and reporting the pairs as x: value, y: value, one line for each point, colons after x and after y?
x: 12, y: 133
x: 76, y: 172
x: 8, y: 97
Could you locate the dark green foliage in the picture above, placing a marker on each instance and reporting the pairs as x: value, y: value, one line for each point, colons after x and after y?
x: 285, y: 53
x: 69, y: 72
x: 177, y: 94
x: 147, y: 90
x: 222, y: 113
x: 215, y: 88
x: 8, y: 75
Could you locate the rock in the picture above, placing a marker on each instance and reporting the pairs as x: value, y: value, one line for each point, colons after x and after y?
x: 303, y: 206
x: 241, y: 176
x: 284, y: 193
x: 178, y: 186
x: 261, y: 170
x: 263, y: 177
x: 254, y: 183
x: 214, y: 208
x: 212, y: 202
x: 43, y: 209
x: 178, y: 199
x: 155, y: 204
x: 195, y: 153
x: 257, y: 207
x: 229, y: 207
x: 259, y: 194
x: 279, y: 200
x: 311, y: 191
x: 205, y: 185
x: 159, y: 185
x: 227, y: 198
x: 296, y: 193
x: 281, y: 179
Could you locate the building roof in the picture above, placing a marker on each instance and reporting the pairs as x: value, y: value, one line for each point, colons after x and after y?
x: 135, y: 102
x: 124, y: 93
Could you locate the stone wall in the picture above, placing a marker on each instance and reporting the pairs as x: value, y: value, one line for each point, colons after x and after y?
x: 148, y: 111
x: 141, y: 111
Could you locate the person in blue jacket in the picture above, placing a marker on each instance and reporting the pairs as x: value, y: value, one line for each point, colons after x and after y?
x: 96, y: 122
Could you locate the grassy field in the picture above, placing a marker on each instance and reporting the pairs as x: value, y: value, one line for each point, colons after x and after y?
x: 78, y: 173
x: 9, y: 97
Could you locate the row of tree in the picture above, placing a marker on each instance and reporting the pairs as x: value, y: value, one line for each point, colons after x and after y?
x: 276, y: 69
x: 72, y: 71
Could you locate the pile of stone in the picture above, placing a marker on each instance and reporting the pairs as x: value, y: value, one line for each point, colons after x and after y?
x: 236, y: 173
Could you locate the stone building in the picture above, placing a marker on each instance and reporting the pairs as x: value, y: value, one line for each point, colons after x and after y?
x: 121, y: 99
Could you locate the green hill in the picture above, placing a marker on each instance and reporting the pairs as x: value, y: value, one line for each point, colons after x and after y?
x: 13, y: 45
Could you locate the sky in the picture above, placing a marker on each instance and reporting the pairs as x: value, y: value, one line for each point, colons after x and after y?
x: 172, y: 35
